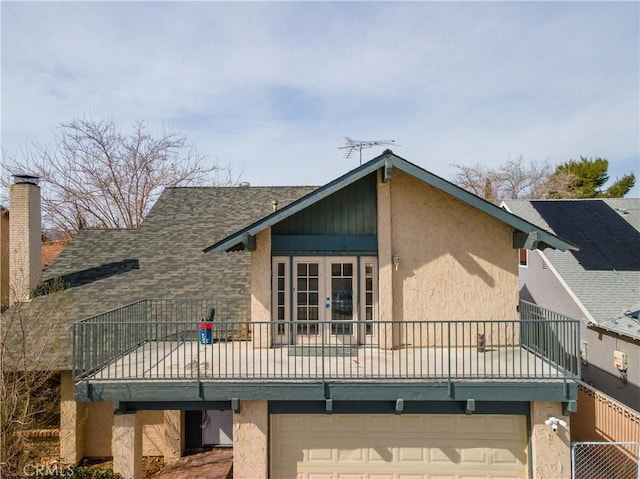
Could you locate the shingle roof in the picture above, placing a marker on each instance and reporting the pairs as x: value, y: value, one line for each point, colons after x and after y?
x: 608, y: 285
x: 106, y: 269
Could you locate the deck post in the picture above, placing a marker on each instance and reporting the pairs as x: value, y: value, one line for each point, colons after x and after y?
x: 388, y: 333
x: 126, y: 444
x: 261, y: 290
x: 250, y: 440
x: 550, y: 450
x: 174, y: 436
x: 72, y: 419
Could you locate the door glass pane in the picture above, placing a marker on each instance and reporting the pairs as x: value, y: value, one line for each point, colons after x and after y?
x: 368, y: 295
x: 308, y: 299
x: 281, y: 297
x: 336, y: 269
x: 342, y: 298
x: 347, y: 270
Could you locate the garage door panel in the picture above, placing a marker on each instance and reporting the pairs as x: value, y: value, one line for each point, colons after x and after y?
x: 381, y: 423
x: 320, y: 454
x: 412, y: 454
x: 474, y: 455
x: 393, y: 447
x: 291, y: 423
x: 352, y: 456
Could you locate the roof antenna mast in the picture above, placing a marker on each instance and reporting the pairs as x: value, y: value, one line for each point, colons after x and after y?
x: 352, y: 145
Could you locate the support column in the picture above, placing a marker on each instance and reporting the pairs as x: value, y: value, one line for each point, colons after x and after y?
x: 250, y: 440
x: 388, y: 334
x: 72, y: 419
x: 261, y: 289
x: 126, y: 444
x: 550, y: 451
x: 173, y: 436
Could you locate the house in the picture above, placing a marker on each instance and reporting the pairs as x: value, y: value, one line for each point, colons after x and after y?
x: 600, y: 284
x: 367, y: 327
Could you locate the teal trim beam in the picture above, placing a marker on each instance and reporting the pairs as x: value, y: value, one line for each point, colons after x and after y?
x: 319, y: 243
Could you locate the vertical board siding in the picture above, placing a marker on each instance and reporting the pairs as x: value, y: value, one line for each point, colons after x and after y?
x: 602, y: 418
x: 351, y: 211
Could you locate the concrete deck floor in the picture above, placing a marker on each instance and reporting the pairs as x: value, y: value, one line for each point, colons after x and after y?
x: 237, y: 360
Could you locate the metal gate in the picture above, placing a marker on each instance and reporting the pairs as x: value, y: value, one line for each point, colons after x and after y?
x: 611, y: 460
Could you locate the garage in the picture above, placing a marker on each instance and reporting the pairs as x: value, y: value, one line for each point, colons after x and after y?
x: 415, y: 446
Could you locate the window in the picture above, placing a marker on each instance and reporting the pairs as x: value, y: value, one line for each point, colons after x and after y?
x: 524, y: 257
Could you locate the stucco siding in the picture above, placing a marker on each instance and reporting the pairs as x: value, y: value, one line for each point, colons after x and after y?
x: 455, y: 262
x: 601, y: 372
x: 152, y: 433
x: 250, y: 440
x: 261, y: 287
x: 98, y: 423
x: 551, y: 455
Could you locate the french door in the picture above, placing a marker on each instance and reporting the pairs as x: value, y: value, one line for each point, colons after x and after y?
x: 322, y: 299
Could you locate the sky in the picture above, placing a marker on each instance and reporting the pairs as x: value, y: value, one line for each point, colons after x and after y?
x: 272, y: 88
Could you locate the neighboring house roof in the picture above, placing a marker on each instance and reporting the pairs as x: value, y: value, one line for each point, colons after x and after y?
x: 105, y: 268
x: 533, y: 236
x: 605, y: 274
x: 51, y: 250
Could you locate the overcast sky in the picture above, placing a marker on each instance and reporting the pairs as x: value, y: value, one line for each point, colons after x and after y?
x: 273, y: 88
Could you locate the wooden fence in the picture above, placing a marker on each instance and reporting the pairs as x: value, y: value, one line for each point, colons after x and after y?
x: 602, y: 418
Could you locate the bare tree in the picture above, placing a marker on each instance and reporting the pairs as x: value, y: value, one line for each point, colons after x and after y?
x: 96, y: 175
x: 512, y: 180
x: 29, y: 392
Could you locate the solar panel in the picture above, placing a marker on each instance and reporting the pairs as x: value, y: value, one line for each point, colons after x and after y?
x: 605, y: 239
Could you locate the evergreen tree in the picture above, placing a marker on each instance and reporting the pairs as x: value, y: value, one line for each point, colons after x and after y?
x: 588, y: 178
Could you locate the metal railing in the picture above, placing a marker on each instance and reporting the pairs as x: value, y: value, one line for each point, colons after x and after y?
x: 102, y: 339
x: 541, y: 338
x: 159, y: 340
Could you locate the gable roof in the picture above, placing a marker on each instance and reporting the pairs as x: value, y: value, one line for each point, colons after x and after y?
x: 105, y: 269
x: 533, y: 236
x: 605, y: 275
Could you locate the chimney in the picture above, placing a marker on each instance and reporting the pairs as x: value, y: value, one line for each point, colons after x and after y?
x: 4, y: 258
x: 25, y: 237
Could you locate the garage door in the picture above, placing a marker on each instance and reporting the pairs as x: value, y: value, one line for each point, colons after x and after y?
x: 381, y: 446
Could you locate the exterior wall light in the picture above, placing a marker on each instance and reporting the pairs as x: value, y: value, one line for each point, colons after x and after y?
x: 396, y: 261
x: 554, y: 422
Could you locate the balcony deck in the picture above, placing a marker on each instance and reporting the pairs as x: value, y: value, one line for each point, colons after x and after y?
x: 142, y: 352
x: 240, y: 361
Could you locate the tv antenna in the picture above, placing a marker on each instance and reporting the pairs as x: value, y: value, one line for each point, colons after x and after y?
x: 352, y: 145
